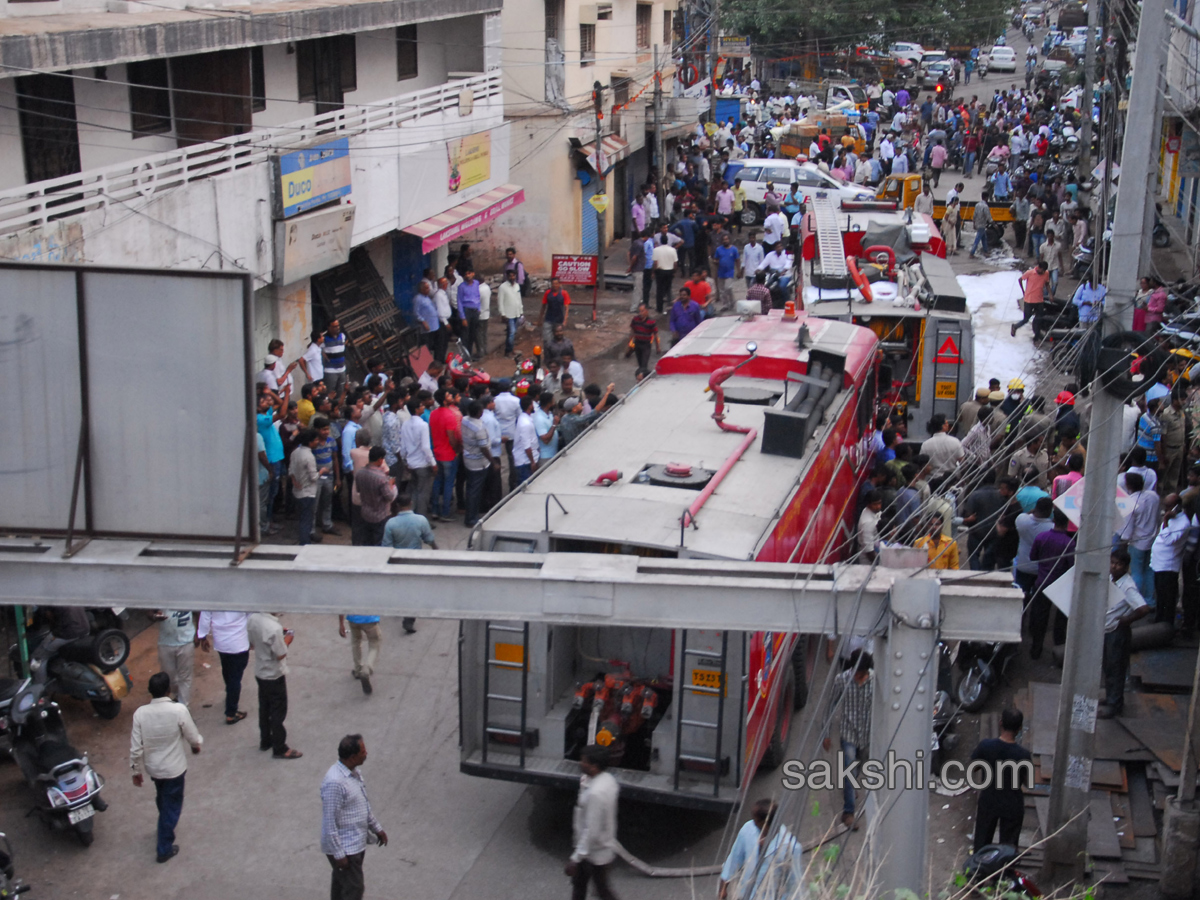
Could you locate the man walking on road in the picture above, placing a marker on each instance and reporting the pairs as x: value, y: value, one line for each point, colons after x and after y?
x: 347, y: 823
x: 1001, y: 802
x: 270, y: 671
x: 176, y: 650
x: 981, y: 219
x: 595, y: 826
x: 161, y: 731
x: 363, y: 627
x: 854, y: 690
x: 227, y: 632
x: 407, y: 531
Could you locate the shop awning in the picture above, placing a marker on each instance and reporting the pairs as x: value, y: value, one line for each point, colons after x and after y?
x: 446, y: 226
x: 612, y: 150
x: 675, y: 129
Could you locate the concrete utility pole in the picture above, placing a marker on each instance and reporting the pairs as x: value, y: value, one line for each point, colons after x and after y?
x: 713, y: 41
x: 658, y: 138
x: 905, y: 685
x: 1075, y: 744
x: 1085, y: 100
x: 601, y: 218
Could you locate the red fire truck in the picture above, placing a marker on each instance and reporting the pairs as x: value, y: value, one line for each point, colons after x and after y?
x: 749, y: 442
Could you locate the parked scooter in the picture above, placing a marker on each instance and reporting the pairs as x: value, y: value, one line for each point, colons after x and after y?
x: 10, y: 885
x: 944, y: 712
x: 91, y: 668
x: 67, y: 787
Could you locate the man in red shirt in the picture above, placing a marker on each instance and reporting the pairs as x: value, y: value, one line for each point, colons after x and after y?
x: 445, y: 432
x: 556, y: 304
x: 1034, y: 283
x: 700, y: 290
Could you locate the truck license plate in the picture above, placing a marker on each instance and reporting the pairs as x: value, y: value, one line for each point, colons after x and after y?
x: 75, y: 816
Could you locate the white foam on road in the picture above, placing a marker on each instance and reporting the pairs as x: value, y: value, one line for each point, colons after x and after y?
x: 992, y: 300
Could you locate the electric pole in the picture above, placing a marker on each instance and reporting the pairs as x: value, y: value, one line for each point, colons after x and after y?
x: 1078, y: 698
x: 713, y: 40
x: 1085, y: 99
x: 601, y: 218
x: 658, y: 138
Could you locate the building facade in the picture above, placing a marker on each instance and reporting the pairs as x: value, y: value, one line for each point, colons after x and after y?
x: 555, y: 51
x: 331, y: 150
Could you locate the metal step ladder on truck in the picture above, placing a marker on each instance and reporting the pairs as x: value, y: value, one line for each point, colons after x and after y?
x: 886, y: 270
x: 748, y: 443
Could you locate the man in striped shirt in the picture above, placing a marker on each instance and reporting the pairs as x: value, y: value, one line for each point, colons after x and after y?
x: 335, y: 360
x: 347, y: 823
x: 854, y: 689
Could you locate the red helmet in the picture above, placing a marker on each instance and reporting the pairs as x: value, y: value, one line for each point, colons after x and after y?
x: 526, y: 367
x: 521, y: 388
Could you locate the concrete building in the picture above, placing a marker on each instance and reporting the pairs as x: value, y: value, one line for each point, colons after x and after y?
x: 330, y: 149
x: 554, y: 51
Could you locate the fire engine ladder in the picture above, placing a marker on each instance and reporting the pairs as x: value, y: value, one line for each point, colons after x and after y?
x: 491, y: 693
x: 698, y: 727
x: 830, y: 251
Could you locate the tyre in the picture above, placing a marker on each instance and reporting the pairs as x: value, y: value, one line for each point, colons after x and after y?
x: 111, y: 648
x: 777, y: 749
x: 85, y: 834
x: 1161, y: 237
x: 107, y: 709
x: 800, y: 670
x: 972, y: 692
x: 751, y: 215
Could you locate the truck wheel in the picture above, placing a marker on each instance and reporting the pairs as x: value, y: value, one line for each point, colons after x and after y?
x: 777, y: 749
x: 800, y: 672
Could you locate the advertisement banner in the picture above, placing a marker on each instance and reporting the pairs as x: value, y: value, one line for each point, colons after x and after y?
x: 575, y: 270
x: 470, y: 161
x: 734, y: 46
x: 311, y: 177
x: 312, y: 243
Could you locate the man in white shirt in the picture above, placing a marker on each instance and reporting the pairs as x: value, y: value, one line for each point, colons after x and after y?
x: 774, y: 228
x: 752, y: 257
x: 664, y: 259
x: 594, y: 825
x: 313, y: 360
x: 776, y: 261
x: 162, y: 729
x: 1139, y: 530
x: 275, y: 375
x: 485, y: 313
x: 1166, y: 558
x: 571, y: 366
x: 271, y: 644
x: 887, y: 153
x: 943, y: 449
x: 511, y: 308
x: 525, y: 442
x: 417, y: 453
x: 1125, y: 606
x: 226, y: 631
x: 508, y: 408
x: 428, y: 380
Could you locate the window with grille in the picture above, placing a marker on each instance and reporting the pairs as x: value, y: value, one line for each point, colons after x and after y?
x: 326, y: 70
x: 149, y: 97
x: 587, y: 44
x: 644, y: 11
x: 406, y: 52
x: 258, y: 80
x: 666, y: 28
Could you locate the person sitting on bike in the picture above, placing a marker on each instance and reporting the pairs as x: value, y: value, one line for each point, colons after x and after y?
x: 67, y: 623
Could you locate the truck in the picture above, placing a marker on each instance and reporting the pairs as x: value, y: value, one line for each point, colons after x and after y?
x: 887, y: 271
x: 901, y: 191
x: 750, y: 441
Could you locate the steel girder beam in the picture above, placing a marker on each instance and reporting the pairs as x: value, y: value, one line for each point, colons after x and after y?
x: 557, y: 587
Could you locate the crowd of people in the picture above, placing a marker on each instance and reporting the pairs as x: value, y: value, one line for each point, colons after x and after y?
x: 998, y: 469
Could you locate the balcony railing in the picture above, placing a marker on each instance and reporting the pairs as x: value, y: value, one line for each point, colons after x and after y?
x: 43, y: 201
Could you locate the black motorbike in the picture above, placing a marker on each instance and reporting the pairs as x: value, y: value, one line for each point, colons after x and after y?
x: 66, y: 786
x: 779, y: 291
x: 992, y: 870
x: 10, y: 884
x: 945, y: 712
x: 90, y: 668
x: 983, y: 664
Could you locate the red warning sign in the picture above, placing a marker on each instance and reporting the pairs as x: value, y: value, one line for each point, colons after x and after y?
x: 948, y: 352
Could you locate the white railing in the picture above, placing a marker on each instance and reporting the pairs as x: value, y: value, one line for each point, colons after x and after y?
x: 56, y: 198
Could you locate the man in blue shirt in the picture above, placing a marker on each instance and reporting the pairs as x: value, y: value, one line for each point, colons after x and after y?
x: 1090, y: 302
x: 468, y: 310
x: 329, y: 472
x: 427, y: 314
x: 545, y: 424
x: 686, y: 229
x: 781, y: 863
x: 727, y: 257
x: 334, y: 351
x: 270, y: 412
x: 1001, y: 183
x: 686, y: 314
x: 406, y: 531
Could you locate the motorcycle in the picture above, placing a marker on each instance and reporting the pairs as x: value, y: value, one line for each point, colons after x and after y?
x: 10, y: 885
x: 68, y: 788
x: 779, y: 290
x: 944, y: 712
x: 994, y: 863
x: 1160, y: 237
x: 983, y: 664
x: 91, y: 668
x: 1082, y: 259
x: 459, y: 364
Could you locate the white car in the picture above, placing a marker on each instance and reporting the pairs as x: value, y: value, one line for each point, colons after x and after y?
x: 755, y: 173
x: 907, y: 50
x: 1002, y: 59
